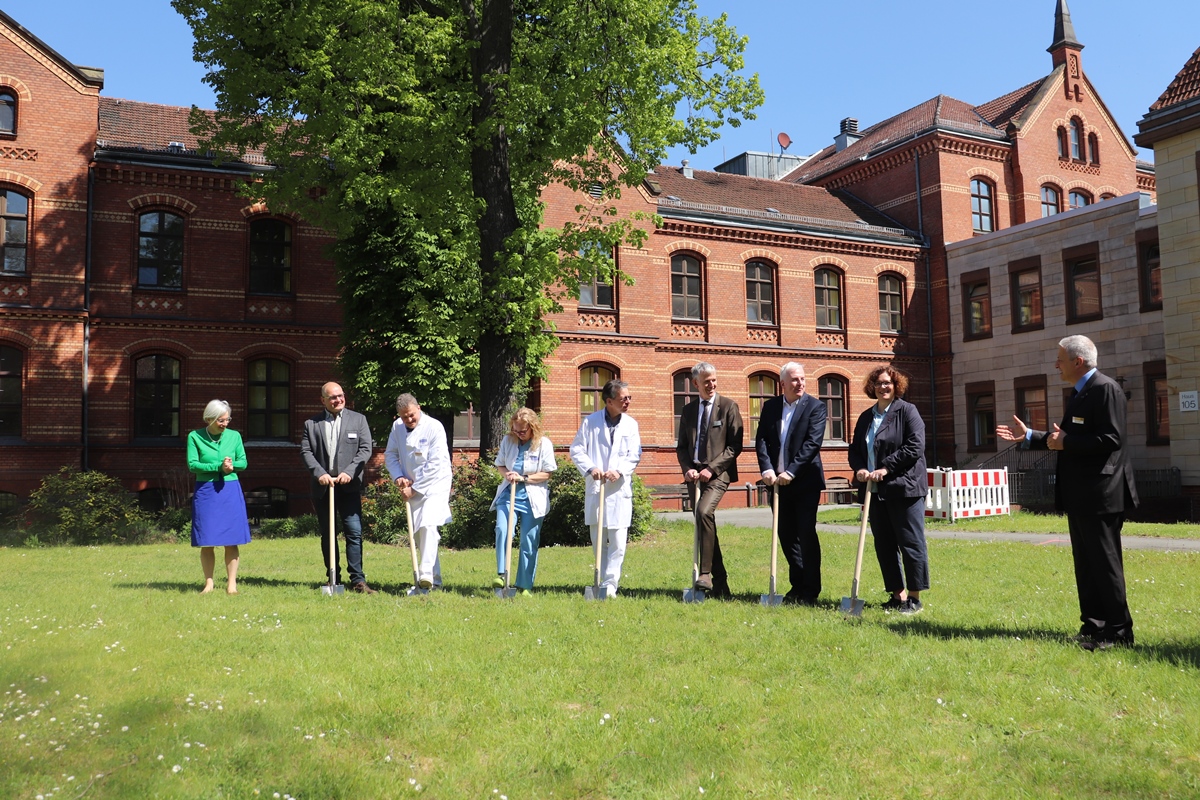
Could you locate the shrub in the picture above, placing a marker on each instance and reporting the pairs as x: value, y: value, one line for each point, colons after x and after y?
x: 288, y: 527
x: 73, y: 507
x: 472, y: 523
x: 564, y: 523
x: 383, y: 515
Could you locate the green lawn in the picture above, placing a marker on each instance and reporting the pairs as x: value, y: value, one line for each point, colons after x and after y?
x: 1025, y: 522
x: 121, y: 681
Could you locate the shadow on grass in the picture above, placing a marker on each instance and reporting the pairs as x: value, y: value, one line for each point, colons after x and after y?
x: 185, y: 587
x: 1182, y: 654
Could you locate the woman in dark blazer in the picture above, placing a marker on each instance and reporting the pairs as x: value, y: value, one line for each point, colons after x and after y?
x: 888, y: 449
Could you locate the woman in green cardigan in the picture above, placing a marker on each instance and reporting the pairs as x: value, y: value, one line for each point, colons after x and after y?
x: 215, y: 456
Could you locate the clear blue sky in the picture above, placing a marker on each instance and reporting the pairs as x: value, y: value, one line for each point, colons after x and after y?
x: 818, y: 62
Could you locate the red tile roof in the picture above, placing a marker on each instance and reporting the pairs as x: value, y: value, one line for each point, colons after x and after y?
x: 149, y: 127
x: 1186, y: 85
x: 745, y: 198
x: 1002, y: 110
x: 938, y: 112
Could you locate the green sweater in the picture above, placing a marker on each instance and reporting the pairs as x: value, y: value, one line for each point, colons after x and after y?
x: 205, y: 455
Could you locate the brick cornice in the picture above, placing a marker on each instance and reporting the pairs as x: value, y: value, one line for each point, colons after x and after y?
x: 935, y: 143
x: 792, y: 241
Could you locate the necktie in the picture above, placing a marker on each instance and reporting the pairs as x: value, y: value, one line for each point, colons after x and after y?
x: 702, y: 436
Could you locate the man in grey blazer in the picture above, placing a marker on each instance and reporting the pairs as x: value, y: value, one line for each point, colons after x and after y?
x: 710, y: 441
x: 335, y: 448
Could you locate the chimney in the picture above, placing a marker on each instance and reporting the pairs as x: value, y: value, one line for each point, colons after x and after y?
x: 848, y: 135
x: 686, y: 170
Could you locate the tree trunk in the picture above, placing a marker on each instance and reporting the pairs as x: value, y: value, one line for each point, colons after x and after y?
x: 489, y: 24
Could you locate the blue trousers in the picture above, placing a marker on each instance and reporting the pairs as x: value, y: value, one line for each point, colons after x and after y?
x: 531, y: 535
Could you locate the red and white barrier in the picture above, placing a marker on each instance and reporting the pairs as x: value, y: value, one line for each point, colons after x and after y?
x: 959, y: 494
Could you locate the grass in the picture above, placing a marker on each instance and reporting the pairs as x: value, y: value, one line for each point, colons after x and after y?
x: 1025, y: 522
x: 115, y: 672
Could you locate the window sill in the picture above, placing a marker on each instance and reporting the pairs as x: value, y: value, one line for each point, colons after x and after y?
x: 269, y: 443
x: 141, y: 287
x: 1081, y: 320
x: 1028, y: 328
x: 974, y: 337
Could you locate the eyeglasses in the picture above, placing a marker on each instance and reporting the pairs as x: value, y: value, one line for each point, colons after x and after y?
x: 335, y: 397
x: 883, y: 383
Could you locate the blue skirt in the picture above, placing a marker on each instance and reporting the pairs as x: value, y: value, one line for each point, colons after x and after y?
x: 219, y: 514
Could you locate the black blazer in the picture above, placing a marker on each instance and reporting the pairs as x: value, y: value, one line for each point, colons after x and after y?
x: 802, y: 450
x: 725, y: 439
x: 1093, y: 474
x: 899, y: 447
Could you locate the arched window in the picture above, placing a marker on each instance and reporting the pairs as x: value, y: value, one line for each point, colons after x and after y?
x: 160, y: 250
x: 831, y: 390
x: 14, y: 230
x: 1077, y: 138
x: 891, y: 303
x: 12, y: 364
x: 1064, y: 148
x: 1107, y: 196
x: 1079, y: 199
x: 156, y: 397
x: 1050, y: 201
x: 760, y: 293
x: 8, y: 112
x: 269, y: 412
x: 762, y: 388
x: 591, y: 380
x: 10, y: 504
x: 270, y: 256
x: 982, y: 220
x: 828, y: 298
x: 1093, y: 148
x: 683, y: 391
x: 686, y: 299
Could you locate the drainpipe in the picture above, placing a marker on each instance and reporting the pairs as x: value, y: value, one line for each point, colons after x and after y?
x: 87, y: 309
x: 928, y: 309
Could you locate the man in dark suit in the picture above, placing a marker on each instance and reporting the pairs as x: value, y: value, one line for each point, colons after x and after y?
x: 710, y: 441
x: 790, y: 431
x: 335, y: 449
x: 1094, y: 485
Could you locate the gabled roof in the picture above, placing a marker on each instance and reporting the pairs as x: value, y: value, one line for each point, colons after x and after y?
x: 1186, y: 85
x: 1006, y: 108
x: 150, y: 128
x: 88, y: 76
x: 759, y: 202
x: 938, y: 113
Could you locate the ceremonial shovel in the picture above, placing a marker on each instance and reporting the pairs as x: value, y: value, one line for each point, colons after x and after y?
x: 852, y: 606
x: 509, y: 591
x: 773, y: 599
x: 412, y: 546
x: 596, y: 591
x: 332, y: 588
x: 692, y: 594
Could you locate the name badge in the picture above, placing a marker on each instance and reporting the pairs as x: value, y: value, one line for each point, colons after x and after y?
x: 717, y: 424
x: 1076, y: 420
x: 351, y: 435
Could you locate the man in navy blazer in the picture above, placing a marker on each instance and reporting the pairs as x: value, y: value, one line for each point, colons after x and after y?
x: 1094, y: 485
x: 790, y: 431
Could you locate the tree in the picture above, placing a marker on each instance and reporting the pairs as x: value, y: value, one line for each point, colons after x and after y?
x: 461, y: 111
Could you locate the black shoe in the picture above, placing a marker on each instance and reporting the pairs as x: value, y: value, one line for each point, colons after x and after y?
x: 799, y: 600
x: 911, y: 606
x: 704, y: 582
x: 1095, y: 645
x: 892, y: 604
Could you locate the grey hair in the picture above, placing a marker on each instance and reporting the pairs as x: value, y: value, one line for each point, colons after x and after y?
x: 790, y: 366
x: 1079, y: 346
x: 406, y: 400
x: 703, y: 368
x: 215, y: 409
x: 611, y: 388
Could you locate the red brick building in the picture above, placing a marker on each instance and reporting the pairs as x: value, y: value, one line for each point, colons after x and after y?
x: 137, y: 282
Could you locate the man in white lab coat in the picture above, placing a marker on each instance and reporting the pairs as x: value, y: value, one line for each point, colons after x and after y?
x: 418, y: 460
x: 607, y: 449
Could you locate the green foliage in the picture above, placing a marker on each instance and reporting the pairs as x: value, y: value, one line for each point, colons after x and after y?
x: 384, y: 517
x: 437, y: 125
x: 288, y: 527
x: 73, y: 507
x: 472, y: 523
x: 564, y: 523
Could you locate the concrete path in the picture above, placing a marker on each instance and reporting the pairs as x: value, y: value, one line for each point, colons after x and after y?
x: 761, y: 518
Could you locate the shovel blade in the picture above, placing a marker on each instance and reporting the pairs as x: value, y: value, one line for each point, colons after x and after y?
x: 852, y: 606
x: 505, y: 594
x: 330, y: 591
x: 416, y: 590
x: 693, y: 595
x: 595, y: 593
x: 769, y: 600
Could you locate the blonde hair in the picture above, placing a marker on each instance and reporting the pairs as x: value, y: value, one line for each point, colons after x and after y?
x: 530, y: 418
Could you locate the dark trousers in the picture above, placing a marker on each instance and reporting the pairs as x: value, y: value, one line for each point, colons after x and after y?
x: 710, y: 547
x: 898, y: 528
x: 1100, y: 575
x: 798, y: 538
x: 347, y: 506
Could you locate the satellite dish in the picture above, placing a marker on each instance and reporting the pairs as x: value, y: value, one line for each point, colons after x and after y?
x: 784, y: 140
